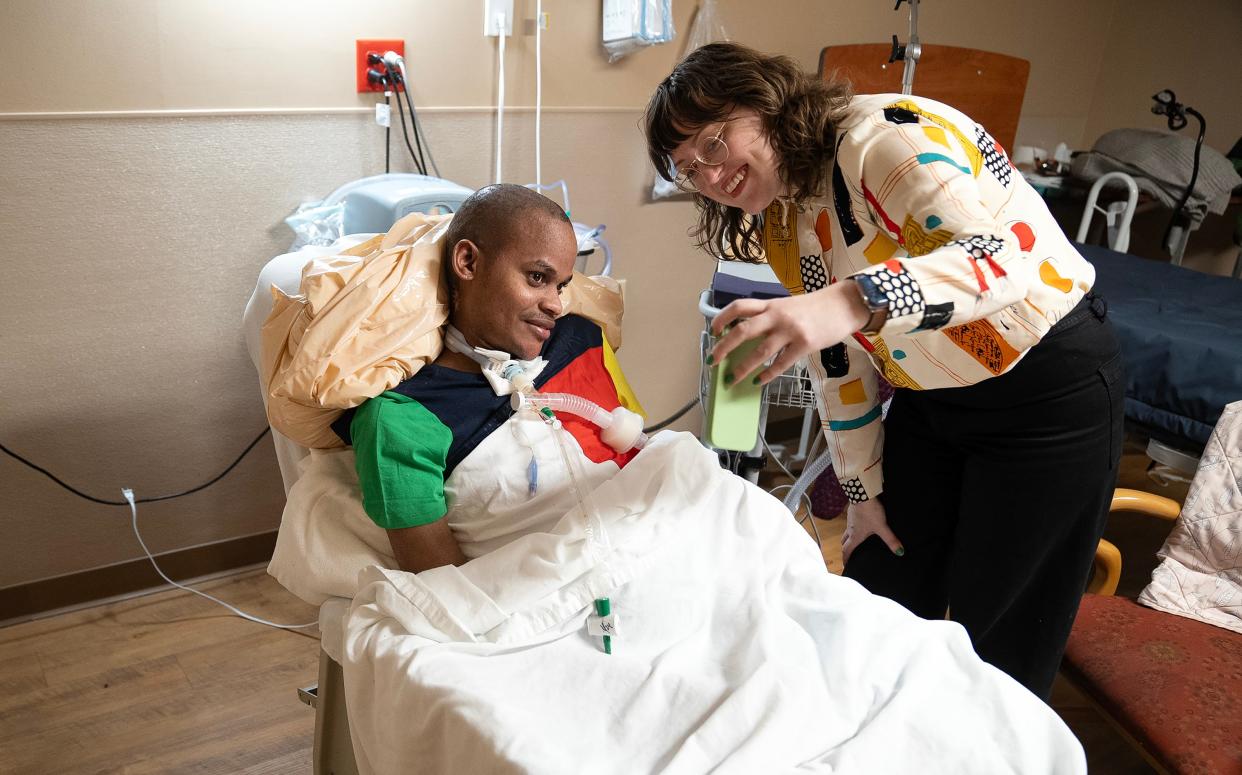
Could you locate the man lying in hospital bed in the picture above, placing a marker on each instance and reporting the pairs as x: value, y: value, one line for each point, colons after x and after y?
x: 734, y: 650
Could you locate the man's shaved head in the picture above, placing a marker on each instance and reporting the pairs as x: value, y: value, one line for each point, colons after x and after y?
x: 496, y: 216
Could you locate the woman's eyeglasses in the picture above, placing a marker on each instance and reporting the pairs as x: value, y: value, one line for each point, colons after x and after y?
x: 711, y: 151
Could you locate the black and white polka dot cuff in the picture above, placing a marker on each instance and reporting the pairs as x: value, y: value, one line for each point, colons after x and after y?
x: 980, y: 248
x: 994, y: 157
x: 854, y: 490
x: 814, y: 275
x: 904, y: 295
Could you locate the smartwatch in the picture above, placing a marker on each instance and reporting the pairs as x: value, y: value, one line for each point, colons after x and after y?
x: 876, y: 301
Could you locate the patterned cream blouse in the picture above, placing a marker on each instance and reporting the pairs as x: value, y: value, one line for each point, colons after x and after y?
x: 925, y: 205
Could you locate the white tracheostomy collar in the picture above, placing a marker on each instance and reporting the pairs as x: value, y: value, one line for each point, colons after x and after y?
x: 504, y: 373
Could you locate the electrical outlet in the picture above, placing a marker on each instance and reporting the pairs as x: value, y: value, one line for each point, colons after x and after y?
x: 361, y: 65
x: 490, y: 9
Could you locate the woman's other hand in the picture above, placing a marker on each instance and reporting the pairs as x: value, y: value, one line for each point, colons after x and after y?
x: 864, y: 520
x: 791, y: 327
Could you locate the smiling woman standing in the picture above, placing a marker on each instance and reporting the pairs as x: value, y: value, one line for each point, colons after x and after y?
x: 914, y: 252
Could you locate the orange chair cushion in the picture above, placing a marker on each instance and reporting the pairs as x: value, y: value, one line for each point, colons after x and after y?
x: 1175, y: 684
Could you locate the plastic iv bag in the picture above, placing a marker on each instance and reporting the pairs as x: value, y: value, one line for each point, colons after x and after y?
x: 315, y: 223
x: 633, y: 24
x: 705, y: 28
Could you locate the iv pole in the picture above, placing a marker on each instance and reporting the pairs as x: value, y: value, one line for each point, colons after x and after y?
x: 910, y: 52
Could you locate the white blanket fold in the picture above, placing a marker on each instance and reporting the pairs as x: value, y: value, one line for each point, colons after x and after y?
x: 737, y: 652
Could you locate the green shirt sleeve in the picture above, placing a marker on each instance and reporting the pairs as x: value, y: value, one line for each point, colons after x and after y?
x: 400, y: 451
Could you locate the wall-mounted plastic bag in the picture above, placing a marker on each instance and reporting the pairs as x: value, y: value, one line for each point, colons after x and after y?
x: 705, y: 28
x: 633, y: 24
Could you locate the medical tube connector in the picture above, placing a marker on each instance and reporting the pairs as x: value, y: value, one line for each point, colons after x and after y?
x: 518, y: 378
x: 620, y: 429
x: 626, y: 431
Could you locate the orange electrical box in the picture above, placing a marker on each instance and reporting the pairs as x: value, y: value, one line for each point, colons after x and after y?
x: 361, y: 65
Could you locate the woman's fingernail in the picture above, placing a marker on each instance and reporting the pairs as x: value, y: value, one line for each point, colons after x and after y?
x: 728, y: 379
x: 755, y: 381
x: 901, y: 551
x: 710, y: 360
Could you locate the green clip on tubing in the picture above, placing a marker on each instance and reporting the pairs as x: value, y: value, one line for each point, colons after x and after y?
x: 603, y: 607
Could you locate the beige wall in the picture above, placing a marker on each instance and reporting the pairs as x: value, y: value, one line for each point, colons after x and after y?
x: 131, y: 241
x: 231, y: 54
x: 1192, y: 48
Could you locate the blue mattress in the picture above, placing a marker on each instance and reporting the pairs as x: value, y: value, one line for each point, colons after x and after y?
x: 1181, y: 340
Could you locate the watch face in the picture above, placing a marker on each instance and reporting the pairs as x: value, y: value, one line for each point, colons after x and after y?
x: 872, y: 293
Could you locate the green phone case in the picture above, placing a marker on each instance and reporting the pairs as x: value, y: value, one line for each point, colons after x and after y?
x: 733, y: 411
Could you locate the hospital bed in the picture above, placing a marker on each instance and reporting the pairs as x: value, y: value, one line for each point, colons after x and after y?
x: 359, y: 209
x: 1182, y: 348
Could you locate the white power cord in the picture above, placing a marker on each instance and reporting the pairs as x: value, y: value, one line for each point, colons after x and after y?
x: 539, y: 94
x: 500, y: 92
x: 133, y: 509
x: 776, y: 459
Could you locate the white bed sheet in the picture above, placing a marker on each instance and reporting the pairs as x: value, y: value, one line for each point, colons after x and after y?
x: 738, y: 652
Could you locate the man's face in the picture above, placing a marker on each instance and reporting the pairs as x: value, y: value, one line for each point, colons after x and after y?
x: 509, y: 299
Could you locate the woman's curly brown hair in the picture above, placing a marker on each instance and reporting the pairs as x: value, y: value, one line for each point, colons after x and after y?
x: 799, y: 114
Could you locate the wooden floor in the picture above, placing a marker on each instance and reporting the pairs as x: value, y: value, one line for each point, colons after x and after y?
x: 167, y: 683
x: 172, y: 683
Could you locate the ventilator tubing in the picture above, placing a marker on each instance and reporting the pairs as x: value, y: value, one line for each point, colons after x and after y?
x: 597, y: 543
x: 809, y: 474
x: 620, y: 429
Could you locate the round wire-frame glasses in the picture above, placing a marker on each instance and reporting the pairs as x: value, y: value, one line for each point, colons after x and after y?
x: 712, y: 151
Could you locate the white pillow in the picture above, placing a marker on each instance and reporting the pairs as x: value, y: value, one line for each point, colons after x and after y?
x: 1200, y: 576
x: 325, y: 536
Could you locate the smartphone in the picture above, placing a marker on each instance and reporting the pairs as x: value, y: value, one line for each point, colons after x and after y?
x: 733, y: 410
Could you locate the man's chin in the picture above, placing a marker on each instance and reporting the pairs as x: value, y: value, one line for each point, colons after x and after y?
x: 524, y: 345
x: 525, y: 351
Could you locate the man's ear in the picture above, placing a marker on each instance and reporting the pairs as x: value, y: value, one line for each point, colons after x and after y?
x: 464, y: 262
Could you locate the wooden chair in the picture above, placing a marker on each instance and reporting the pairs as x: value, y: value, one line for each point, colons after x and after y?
x: 986, y: 86
x: 1171, y: 685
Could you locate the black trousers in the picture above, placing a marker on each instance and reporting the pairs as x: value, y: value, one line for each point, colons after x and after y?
x: 999, y: 493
